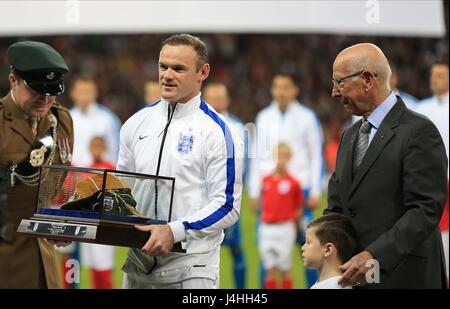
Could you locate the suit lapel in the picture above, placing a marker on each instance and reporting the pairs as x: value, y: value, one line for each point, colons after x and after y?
x: 18, y: 122
x: 381, y: 138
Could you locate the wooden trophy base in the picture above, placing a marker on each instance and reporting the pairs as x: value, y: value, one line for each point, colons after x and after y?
x: 105, y: 233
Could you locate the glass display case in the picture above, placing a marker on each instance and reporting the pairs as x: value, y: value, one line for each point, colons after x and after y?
x: 99, y: 205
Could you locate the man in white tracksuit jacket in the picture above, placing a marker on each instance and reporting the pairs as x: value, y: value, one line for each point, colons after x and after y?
x: 183, y: 137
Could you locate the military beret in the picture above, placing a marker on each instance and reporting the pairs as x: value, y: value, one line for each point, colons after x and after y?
x: 39, y: 65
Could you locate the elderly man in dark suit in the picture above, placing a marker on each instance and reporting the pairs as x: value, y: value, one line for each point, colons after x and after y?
x: 390, y: 178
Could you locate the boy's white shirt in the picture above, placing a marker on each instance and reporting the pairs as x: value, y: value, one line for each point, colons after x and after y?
x: 330, y: 283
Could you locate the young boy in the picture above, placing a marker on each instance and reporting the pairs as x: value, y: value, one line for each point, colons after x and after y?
x: 330, y: 242
x: 98, y: 149
x: 282, y: 200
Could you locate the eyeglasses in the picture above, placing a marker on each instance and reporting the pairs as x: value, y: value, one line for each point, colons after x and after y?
x: 339, y: 82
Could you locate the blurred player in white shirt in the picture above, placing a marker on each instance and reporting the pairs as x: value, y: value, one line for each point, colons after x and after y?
x: 90, y: 120
x: 286, y: 120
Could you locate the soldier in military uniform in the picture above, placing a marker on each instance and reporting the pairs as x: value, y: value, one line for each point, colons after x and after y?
x: 28, y: 114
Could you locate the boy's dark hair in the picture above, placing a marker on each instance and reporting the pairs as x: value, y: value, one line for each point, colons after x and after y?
x: 338, y: 230
x: 190, y: 40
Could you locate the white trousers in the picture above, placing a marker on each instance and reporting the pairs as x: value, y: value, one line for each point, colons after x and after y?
x: 276, y: 244
x: 97, y: 257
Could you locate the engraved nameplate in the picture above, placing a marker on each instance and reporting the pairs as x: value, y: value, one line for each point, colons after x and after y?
x: 52, y: 229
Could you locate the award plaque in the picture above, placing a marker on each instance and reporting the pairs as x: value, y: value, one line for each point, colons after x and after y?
x: 99, y: 206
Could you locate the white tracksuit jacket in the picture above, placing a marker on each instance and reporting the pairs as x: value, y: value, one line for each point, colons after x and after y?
x: 205, y: 159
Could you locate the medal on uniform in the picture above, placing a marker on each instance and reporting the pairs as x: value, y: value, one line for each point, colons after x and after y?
x: 64, y: 150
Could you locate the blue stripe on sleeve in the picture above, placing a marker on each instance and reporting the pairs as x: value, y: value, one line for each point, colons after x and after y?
x: 153, y: 104
x: 229, y: 190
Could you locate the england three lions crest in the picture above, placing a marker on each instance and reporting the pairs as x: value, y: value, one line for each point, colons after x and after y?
x: 185, y: 144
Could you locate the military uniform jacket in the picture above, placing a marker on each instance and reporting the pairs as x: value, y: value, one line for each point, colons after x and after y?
x: 26, y: 262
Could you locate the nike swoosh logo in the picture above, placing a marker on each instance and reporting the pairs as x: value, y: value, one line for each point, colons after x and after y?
x: 142, y: 137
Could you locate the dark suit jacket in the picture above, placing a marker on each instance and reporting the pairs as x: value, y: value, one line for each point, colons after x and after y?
x: 396, y: 198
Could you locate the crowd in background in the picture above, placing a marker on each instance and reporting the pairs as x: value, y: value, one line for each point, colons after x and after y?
x: 245, y: 63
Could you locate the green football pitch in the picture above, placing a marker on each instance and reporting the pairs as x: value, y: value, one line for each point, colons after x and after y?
x: 248, y: 234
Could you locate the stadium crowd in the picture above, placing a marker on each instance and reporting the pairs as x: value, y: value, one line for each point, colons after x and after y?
x: 246, y: 63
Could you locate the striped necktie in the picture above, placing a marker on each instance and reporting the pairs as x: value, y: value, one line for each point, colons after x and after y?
x: 361, y: 144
